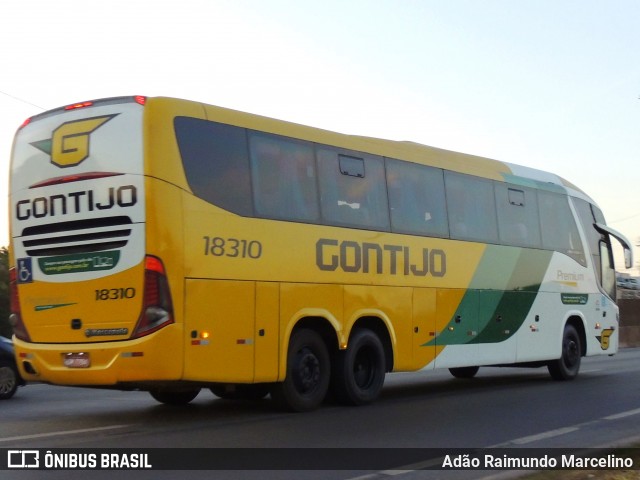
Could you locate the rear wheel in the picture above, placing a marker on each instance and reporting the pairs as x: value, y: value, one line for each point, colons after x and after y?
x: 568, y: 365
x: 359, y: 371
x: 308, y: 372
x: 174, y: 397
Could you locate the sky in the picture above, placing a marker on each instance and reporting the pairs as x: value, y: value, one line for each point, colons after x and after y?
x: 549, y: 84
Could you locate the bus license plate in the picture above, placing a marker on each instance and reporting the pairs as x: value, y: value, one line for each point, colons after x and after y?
x: 76, y: 360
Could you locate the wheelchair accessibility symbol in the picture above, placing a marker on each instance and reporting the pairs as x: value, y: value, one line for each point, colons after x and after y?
x: 25, y: 270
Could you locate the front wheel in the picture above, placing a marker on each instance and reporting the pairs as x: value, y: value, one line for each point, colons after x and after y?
x: 360, y: 370
x: 308, y: 372
x: 568, y: 365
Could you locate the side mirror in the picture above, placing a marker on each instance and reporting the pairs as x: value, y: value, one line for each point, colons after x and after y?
x: 626, y: 244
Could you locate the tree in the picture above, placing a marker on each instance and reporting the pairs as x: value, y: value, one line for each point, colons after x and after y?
x: 5, y: 327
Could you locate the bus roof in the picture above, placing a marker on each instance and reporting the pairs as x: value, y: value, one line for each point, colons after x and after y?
x: 402, y: 150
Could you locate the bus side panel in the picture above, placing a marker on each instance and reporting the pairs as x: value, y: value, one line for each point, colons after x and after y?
x: 219, y: 325
x: 539, y: 338
x: 457, y: 323
x: 424, y: 327
x: 268, y: 332
x: 501, y: 315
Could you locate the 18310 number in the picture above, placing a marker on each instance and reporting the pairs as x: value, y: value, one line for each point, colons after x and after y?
x: 232, y: 247
x: 115, y: 294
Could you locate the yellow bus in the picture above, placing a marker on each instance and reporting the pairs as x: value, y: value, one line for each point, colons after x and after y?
x: 169, y: 246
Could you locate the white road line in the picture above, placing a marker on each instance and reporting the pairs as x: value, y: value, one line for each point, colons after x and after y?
x: 537, y: 437
x: 60, y: 433
x: 544, y: 435
x: 623, y: 414
x: 518, y: 441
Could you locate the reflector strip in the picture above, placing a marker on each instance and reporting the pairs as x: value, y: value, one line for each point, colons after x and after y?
x: 78, y: 105
x: 74, y: 178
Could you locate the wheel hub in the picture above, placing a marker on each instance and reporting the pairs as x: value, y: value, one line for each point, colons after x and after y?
x: 307, y: 373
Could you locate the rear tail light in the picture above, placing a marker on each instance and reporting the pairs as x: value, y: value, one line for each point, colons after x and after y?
x: 15, y: 319
x: 157, y: 308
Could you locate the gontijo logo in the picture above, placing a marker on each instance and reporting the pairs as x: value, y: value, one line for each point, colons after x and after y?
x: 69, y: 143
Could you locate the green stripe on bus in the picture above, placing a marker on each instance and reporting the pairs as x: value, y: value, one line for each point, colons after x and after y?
x: 499, y: 297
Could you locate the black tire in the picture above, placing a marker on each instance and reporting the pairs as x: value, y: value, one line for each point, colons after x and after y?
x: 8, y: 380
x: 174, y: 397
x: 308, y: 373
x: 359, y: 371
x: 241, y: 392
x: 568, y: 365
x: 464, y: 372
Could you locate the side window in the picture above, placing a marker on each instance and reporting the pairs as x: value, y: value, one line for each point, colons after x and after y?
x: 352, y: 189
x: 518, y: 221
x: 471, y: 207
x: 284, y: 179
x: 559, y: 229
x: 216, y: 163
x: 416, y: 199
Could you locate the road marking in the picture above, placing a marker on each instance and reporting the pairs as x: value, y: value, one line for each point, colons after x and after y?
x: 404, y: 469
x: 623, y: 414
x: 401, y: 470
x: 539, y: 436
x: 544, y: 435
x: 61, y: 433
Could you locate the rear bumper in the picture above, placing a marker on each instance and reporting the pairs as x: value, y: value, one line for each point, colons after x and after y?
x: 156, y: 357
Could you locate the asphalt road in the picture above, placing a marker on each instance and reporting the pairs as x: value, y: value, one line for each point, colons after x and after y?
x: 510, y: 408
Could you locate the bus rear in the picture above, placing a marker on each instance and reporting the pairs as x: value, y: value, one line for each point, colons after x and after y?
x: 85, y: 296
